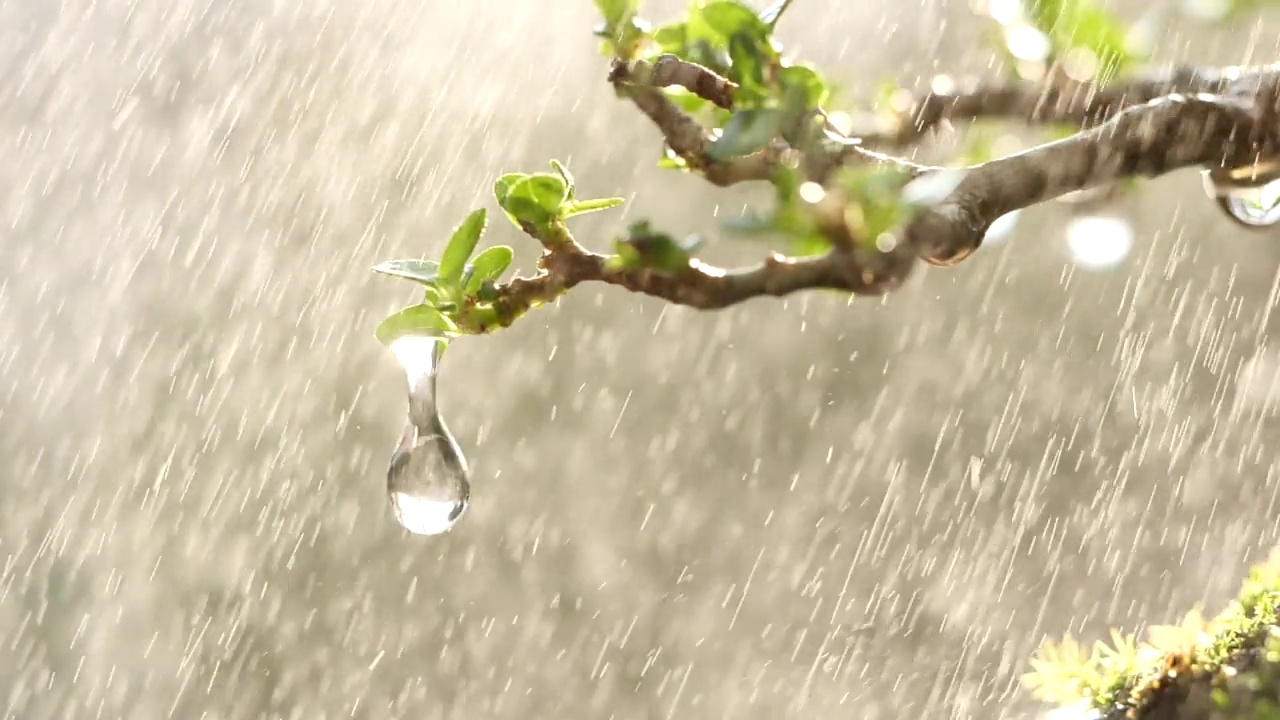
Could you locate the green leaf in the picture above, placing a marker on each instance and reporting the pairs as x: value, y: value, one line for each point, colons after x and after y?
x: 616, y: 12
x: 419, y: 271
x: 878, y: 195
x: 729, y: 18
x: 488, y: 266
x: 582, y: 207
x: 565, y: 175
x: 806, y: 83
x: 747, y: 69
x: 548, y: 191
x: 670, y: 160
x: 805, y: 245
x: 672, y: 38
x: 421, y: 320
x: 1083, y: 24
x: 502, y: 187
x: 746, y: 132
x: 707, y: 53
x: 454, y: 259
x: 685, y: 100
x: 645, y: 247
x: 772, y: 14
x: 487, y: 291
x: 535, y: 199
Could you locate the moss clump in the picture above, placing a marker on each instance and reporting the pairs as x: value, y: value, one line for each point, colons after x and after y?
x: 1224, y: 667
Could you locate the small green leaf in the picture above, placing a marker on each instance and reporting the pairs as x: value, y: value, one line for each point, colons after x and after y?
x: 806, y: 245
x: 502, y: 187
x: 536, y: 199
x: 645, y: 247
x: 549, y: 191
x: 706, y: 53
x: 878, y: 195
x: 729, y: 18
x: 420, y: 271
x: 672, y: 38
x: 772, y: 14
x: 1083, y: 24
x: 565, y: 175
x: 670, y: 162
x: 487, y: 292
x: 488, y: 266
x: 454, y: 259
x: 421, y: 320
x: 582, y: 207
x: 686, y: 101
x: 434, y: 296
x: 747, y: 69
x: 746, y: 132
x: 806, y: 83
x: 616, y: 12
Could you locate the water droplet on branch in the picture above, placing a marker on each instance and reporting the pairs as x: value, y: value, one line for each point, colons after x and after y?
x: 427, y: 480
x: 1001, y: 229
x: 1255, y: 207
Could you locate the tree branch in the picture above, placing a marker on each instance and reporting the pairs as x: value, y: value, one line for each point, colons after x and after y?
x: 566, y: 263
x: 1044, y: 103
x: 1166, y: 134
x: 1237, y: 129
x: 641, y: 83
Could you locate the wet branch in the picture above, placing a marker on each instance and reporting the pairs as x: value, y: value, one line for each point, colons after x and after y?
x: 642, y: 82
x: 1084, y: 105
x: 1237, y: 128
x: 566, y: 263
x: 1166, y: 134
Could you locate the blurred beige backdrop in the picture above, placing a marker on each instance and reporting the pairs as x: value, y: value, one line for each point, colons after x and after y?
x: 803, y: 509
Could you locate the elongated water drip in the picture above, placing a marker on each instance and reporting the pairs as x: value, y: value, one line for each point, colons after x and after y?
x: 427, y: 479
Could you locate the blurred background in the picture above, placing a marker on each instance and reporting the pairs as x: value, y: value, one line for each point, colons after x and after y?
x: 810, y: 508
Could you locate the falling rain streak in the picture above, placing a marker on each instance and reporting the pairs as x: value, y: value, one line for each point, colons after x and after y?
x: 427, y: 481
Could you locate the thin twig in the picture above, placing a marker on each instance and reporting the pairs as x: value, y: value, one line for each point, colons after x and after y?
x: 636, y: 81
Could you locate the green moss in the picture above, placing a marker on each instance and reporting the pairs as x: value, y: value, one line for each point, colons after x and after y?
x: 1232, y: 656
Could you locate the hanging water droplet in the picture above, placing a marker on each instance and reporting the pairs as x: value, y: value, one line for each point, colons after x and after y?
x: 1099, y: 241
x: 1256, y: 207
x: 999, y: 230
x: 427, y: 479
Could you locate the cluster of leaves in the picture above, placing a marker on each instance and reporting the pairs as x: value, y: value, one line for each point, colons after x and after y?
x: 460, y: 291
x: 1123, y: 672
x: 774, y: 94
x: 776, y: 99
x: 1084, y: 26
x: 777, y: 102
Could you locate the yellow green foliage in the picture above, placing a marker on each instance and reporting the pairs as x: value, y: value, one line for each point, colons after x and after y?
x: 1126, y: 671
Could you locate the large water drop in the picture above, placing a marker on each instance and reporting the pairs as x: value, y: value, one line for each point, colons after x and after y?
x: 427, y: 479
x: 1256, y: 207
x: 1249, y: 195
x: 1001, y: 229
